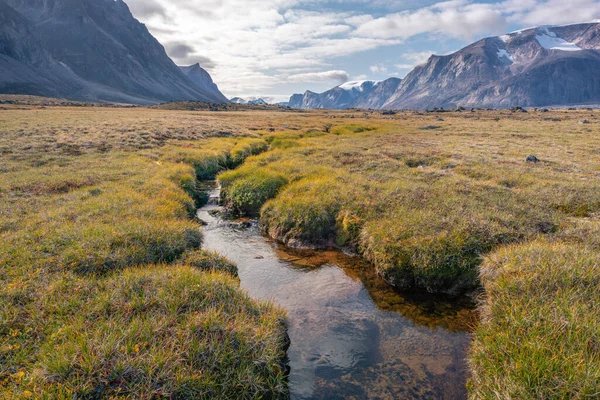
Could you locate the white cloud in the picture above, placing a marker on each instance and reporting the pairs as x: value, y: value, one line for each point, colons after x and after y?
x: 255, y: 46
x: 459, y: 19
x: 336, y: 76
x: 378, y: 69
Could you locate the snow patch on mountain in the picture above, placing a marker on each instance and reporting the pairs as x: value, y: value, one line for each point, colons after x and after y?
x: 548, y: 40
x: 504, y: 55
x: 356, y: 85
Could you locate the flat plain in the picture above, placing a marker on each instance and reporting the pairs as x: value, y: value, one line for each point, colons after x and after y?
x: 105, y: 292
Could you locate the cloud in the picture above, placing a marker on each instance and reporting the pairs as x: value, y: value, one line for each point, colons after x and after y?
x: 146, y: 8
x: 178, y: 49
x: 378, y: 69
x: 550, y: 12
x: 261, y: 46
x: 184, y: 54
x: 337, y: 76
x: 458, y: 19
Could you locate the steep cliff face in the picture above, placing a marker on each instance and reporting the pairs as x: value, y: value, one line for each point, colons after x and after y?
x: 535, y: 67
x: 108, y: 54
x: 204, y: 82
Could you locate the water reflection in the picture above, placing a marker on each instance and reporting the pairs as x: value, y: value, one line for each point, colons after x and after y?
x: 352, y: 336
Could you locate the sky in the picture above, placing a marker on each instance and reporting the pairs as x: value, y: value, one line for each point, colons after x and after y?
x: 275, y: 48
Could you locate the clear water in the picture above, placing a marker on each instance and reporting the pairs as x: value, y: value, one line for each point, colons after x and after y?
x: 352, y: 336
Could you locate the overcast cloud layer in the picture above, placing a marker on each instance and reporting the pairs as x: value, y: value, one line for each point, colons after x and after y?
x: 273, y: 48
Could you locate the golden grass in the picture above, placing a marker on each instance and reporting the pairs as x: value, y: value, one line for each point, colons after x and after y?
x: 540, y: 334
x: 103, y: 290
x: 94, y: 219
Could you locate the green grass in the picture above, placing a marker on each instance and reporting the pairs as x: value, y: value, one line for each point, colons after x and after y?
x: 540, y: 334
x: 103, y: 289
x: 104, y: 292
x: 423, y: 224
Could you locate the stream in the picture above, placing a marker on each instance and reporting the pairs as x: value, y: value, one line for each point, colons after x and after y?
x: 352, y: 335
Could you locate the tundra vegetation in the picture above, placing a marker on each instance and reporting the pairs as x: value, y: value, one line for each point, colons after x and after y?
x: 105, y: 292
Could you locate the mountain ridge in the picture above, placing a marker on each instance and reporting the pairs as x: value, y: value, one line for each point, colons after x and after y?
x: 113, y: 57
x: 534, y: 67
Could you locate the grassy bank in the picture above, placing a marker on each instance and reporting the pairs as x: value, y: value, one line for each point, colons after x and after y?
x: 428, y: 206
x: 423, y: 206
x: 540, y: 334
x: 104, y: 291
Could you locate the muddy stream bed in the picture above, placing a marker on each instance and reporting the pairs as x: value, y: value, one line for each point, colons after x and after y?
x: 352, y: 335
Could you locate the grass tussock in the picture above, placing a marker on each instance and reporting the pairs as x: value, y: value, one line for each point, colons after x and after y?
x: 84, y: 312
x: 209, y: 261
x: 157, y: 332
x: 423, y: 207
x: 540, y: 334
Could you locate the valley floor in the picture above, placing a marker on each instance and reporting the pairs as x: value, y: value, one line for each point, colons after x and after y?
x: 105, y: 293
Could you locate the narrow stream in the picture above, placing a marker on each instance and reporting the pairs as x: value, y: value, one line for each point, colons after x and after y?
x: 352, y: 336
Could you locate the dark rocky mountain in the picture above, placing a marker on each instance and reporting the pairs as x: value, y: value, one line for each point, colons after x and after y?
x: 87, y: 50
x: 203, y: 81
x: 381, y: 93
x: 536, y: 67
x: 545, y: 66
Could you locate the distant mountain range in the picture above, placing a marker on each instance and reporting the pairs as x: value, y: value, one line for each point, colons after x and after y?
x: 90, y: 50
x: 544, y: 66
x: 255, y: 102
x: 357, y: 94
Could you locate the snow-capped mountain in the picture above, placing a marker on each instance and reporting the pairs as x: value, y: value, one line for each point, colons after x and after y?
x: 87, y: 50
x: 251, y: 101
x: 348, y: 95
x: 543, y: 66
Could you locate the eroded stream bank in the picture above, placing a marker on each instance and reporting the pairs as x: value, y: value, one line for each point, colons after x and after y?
x: 352, y: 336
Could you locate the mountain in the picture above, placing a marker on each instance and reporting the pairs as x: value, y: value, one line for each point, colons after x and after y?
x: 258, y: 102
x: 238, y: 100
x: 542, y: 66
x: 203, y: 81
x: 339, y: 98
x: 87, y: 50
x: 252, y: 101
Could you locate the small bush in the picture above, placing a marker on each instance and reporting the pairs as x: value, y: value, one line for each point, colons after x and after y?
x: 209, y: 261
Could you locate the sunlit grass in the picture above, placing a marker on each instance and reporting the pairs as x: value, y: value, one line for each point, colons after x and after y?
x: 104, y: 291
x: 84, y: 311
x: 540, y: 334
